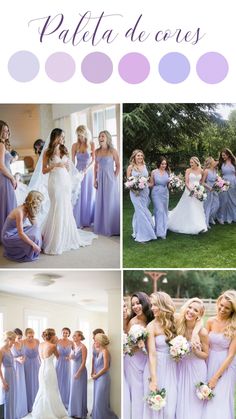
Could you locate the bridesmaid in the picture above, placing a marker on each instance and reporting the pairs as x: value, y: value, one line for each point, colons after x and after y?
x: 227, y: 210
x: 143, y: 228
x: 141, y: 314
x: 212, y: 203
x: 21, y: 241
x: 19, y: 360
x: 32, y: 364
x: 84, y: 153
x: 221, y: 362
x: 107, y: 204
x: 161, y: 369
x: 8, y: 377
x: 192, y: 369
x: 78, y: 390
x: 160, y: 196
x: 101, y: 377
x: 63, y: 367
x: 7, y: 180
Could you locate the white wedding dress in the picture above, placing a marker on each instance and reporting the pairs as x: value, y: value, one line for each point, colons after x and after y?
x: 188, y: 216
x: 48, y: 403
x: 59, y: 230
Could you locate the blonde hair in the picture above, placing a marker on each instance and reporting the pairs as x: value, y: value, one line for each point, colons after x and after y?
x: 102, y: 339
x: 181, y: 326
x: 196, y: 160
x: 133, y: 156
x: 32, y: 204
x: 208, y: 162
x: 85, y: 132
x: 109, y: 138
x: 80, y: 334
x: 166, y: 315
x: 28, y: 330
x: 230, y: 296
x: 9, y: 335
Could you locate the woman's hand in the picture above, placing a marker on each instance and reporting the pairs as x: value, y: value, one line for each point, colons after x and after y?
x: 212, y: 382
x: 95, y: 184
x: 5, y: 385
x: 13, y: 182
x: 77, y: 375
x: 94, y: 376
x: 152, y: 386
x: 36, y: 248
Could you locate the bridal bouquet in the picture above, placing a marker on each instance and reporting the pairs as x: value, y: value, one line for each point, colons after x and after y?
x: 136, y: 183
x: 221, y: 185
x: 204, y: 392
x: 136, y: 338
x: 179, y: 347
x: 156, y: 400
x: 126, y: 346
x: 176, y: 182
x: 199, y: 192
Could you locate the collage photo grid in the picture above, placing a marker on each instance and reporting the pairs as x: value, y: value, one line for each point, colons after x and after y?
x: 117, y: 261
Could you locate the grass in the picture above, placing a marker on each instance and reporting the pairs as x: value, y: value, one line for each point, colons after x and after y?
x: 214, y: 249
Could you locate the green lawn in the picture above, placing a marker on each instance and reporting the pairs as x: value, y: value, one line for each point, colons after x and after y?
x: 214, y: 249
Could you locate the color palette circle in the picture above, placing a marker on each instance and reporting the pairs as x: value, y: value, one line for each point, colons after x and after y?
x: 134, y: 68
x: 23, y: 66
x: 174, y: 67
x: 60, y: 67
x: 212, y: 67
x: 97, y: 67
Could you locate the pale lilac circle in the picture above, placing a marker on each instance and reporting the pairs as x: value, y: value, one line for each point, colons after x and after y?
x: 134, y: 68
x: 60, y: 67
x: 174, y: 67
x: 97, y: 67
x: 212, y: 67
x: 23, y: 66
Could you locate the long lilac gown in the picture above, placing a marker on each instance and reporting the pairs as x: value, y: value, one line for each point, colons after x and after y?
x: 191, y: 370
x: 212, y: 203
x: 160, y: 199
x: 17, y: 249
x: 134, y: 370
x: 32, y: 364
x: 222, y: 405
x: 126, y: 400
x: 78, y: 389
x: 7, y: 193
x: 107, y: 204
x: 142, y: 223
x: 63, y: 370
x: 101, y: 393
x: 166, y: 378
x: 8, y: 398
x: 21, y: 397
x: 227, y: 210
x: 84, y: 207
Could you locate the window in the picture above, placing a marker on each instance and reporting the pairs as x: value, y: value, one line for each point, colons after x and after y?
x: 37, y: 323
x: 18, y: 166
x: 105, y: 119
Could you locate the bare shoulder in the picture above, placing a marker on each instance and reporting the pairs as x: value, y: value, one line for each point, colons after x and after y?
x: 151, y: 326
x: 203, y: 332
x: 210, y: 322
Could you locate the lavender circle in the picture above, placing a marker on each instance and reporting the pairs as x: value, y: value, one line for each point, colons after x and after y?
x: 97, y: 67
x: 23, y: 66
x: 174, y: 67
x: 212, y: 67
x: 60, y: 67
x: 134, y: 68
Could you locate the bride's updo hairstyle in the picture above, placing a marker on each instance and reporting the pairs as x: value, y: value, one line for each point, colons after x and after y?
x: 230, y: 296
x: 33, y: 203
x: 102, y: 339
x: 132, y: 159
x: 181, y: 325
x: 196, y: 161
x: 48, y: 334
x: 166, y: 313
x: 56, y: 132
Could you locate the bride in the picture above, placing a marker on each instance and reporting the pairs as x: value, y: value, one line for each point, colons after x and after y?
x: 48, y: 403
x: 188, y: 216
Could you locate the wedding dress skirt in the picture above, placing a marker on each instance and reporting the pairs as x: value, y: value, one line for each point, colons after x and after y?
x: 48, y: 403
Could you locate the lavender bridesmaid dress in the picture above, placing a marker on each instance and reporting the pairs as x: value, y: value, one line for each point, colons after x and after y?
x: 212, y: 203
x: 63, y: 370
x: 126, y: 400
x: 7, y: 194
x: 160, y: 199
x: 17, y: 249
x: 101, y: 393
x: 8, y: 398
x: 227, y: 210
x: 222, y: 405
x: 21, y: 397
x: 84, y: 207
x: 134, y: 370
x: 166, y: 378
x: 32, y: 364
x: 191, y: 370
x: 142, y: 223
x: 107, y: 204
x: 78, y: 389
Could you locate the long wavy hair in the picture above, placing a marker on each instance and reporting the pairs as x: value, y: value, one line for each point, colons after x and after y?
x: 85, y: 132
x: 208, y: 162
x: 56, y: 132
x: 165, y: 317
x: 181, y: 325
x: 109, y: 138
x: 6, y: 142
x: 160, y: 160
x: 230, y: 156
x: 132, y: 161
x: 144, y: 300
x: 230, y: 296
x: 33, y: 203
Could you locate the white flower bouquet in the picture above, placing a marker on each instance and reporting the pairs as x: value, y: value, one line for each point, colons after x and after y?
x: 179, y: 347
x: 136, y: 184
x: 127, y: 350
x: 199, y: 192
x: 204, y: 392
x: 176, y: 182
x: 156, y: 400
x: 221, y: 185
x: 136, y: 338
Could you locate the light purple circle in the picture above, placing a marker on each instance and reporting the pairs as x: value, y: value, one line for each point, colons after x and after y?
x: 212, y: 67
x: 174, y: 67
x: 23, y: 66
x: 134, y: 68
x: 60, y: 67
x: 97, y: 67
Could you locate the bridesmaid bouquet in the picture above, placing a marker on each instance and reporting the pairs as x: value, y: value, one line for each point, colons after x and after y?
x: 126, y: 347
x: 204, y: 392
x: 176, y: 182
x: 137, y: 336
x: 156, y: 400
x: 136, y: 183
x: 179, y: 347
x: 199, y: 192
x: 221, y: 185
